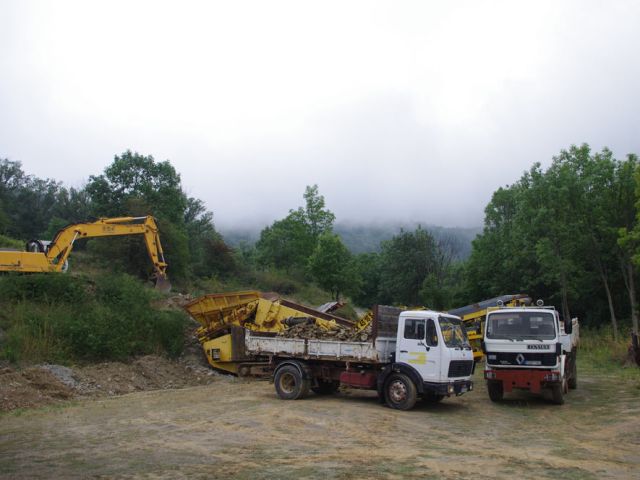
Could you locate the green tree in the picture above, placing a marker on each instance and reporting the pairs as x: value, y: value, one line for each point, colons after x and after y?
x: 331, y: 266
x: 134, y: 179
x: 368, y: 271
x: 405, y: 262
x: 288, y: 243
x: 629, y: 236
x: 553, y: 234
x: 137, y: 185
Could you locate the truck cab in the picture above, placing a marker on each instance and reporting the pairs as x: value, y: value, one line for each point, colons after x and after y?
x: 433, y: 351
x: 529, y: 348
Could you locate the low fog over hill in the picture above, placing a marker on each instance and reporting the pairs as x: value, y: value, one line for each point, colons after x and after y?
x: 361, y: 238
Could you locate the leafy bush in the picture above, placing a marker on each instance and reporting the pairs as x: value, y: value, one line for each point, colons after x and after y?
x: 60, y: 318
x: 7, y: 242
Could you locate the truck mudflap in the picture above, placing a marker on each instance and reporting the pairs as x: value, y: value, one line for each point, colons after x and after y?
x: 457, y: 387
x: 532, y: 380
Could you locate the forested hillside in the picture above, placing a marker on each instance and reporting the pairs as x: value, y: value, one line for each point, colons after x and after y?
x: 367, y: 238
x: 568, y: 234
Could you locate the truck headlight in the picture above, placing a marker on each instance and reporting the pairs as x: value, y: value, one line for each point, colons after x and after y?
x: 489, y: 374
x: 450, y: 389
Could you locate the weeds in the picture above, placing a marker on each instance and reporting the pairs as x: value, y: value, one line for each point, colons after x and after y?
x: 59, y: 318
x: 600, y: 354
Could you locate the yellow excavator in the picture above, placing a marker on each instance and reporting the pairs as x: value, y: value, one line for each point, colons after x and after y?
x: 45, y: 256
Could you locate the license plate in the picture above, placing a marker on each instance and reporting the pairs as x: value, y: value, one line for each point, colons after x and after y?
x: 463, y: 389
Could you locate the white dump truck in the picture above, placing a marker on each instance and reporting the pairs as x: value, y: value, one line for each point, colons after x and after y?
x: 411, y: 354
x: 530, y: 348
x: 403, y: 355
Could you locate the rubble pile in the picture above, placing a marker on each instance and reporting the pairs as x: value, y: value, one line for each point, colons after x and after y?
x: 312, y: 331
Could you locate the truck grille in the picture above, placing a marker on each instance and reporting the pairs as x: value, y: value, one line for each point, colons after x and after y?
x: 525, y: 359
x: 460, y: 368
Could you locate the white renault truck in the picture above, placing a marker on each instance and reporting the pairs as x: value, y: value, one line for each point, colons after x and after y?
x: 530, y: 348
x: 412, y: 354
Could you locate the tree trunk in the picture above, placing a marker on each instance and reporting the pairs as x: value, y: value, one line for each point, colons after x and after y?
x: 635, y: 344
x: 565, y: 297
x: 629, y: 282
x: 612, y: 312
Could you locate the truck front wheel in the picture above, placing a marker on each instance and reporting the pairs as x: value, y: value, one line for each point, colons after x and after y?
x: 557, y: 393
x: 289, y: 383
x: 496, y: 392
x: 400, y: 392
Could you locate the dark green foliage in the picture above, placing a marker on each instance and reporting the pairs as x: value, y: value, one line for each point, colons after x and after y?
x: 553, y: 234
x: 27, y: 203
x: 132, y: 176
x: 367, y: 266
x: 57, y: 317
x: 137, y: 185
x: 332, y: 267
x: 405, y: 263
x: 288, y: 243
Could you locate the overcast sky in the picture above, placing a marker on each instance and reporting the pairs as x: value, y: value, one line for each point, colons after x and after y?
x: 397, y: 110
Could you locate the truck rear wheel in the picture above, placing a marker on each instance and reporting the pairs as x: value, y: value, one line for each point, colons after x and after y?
x: 400, y: 392
x: 289, y: 383
x: 496, y: 392
x: 573, y: 378
x: 326, y: 387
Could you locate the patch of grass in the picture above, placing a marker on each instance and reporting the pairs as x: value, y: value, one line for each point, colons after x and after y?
x: 600, y: 354
x: 8, y: 242
x: 60, y: 318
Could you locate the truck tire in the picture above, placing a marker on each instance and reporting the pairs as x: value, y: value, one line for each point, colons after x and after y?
x: 326, y: 387
x: 557, y: 393
x: 496, y: 392
x: 400, y: 392
x: 289, y: 383
x: 573, y: 376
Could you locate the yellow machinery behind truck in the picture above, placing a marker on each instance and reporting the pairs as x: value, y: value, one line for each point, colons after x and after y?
x: 475, y: 314
x: 224, y: 318
x: 43, y: 256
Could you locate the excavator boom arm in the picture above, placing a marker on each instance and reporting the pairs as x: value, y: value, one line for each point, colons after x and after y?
x: 57, y: 253
x: 62, y: 243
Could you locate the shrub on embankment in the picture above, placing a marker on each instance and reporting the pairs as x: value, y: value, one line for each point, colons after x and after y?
x: 62, y: 318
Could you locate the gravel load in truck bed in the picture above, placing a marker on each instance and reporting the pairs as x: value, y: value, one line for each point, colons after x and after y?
x: 311, y: 331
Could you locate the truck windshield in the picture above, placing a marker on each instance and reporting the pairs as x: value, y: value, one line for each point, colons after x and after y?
x: 521, y: 326
x: 453, y: 333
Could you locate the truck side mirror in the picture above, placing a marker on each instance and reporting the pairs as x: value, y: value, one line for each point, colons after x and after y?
x: 484, y: 347
x: 568, y: 326
x: 558, y: 349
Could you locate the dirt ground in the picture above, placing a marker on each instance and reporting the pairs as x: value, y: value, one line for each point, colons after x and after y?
x: 41, y: 385
x: 234, y: 428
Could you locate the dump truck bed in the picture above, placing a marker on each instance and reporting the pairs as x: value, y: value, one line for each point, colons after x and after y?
x: 378, y: 351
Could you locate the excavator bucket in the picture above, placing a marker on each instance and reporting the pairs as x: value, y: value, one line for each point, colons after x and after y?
x: 163, y: 284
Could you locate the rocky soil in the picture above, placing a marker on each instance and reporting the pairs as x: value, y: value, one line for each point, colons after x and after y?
x: 46, y: 384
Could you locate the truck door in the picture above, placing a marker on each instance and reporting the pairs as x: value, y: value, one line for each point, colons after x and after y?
x: 418, y: 346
